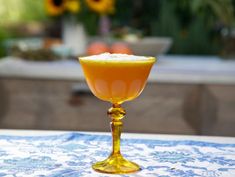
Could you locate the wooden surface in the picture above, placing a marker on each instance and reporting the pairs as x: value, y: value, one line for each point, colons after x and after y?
x: 161, y: 108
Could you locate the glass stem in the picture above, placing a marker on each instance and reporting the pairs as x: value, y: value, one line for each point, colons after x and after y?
x: 116, y: 128
x: 116, y: 113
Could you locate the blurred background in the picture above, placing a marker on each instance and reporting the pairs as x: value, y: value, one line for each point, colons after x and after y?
x: 191, y: 89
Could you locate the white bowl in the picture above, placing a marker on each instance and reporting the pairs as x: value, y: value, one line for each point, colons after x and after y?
x: 150, y: 46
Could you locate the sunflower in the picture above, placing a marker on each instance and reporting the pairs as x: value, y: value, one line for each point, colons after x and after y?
x: 72, y: 6
x: 101, y: 6
x: 57, y: 7
x: 54, y: 7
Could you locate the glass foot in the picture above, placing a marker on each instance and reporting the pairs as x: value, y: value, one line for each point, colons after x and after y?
x: 116, y: 164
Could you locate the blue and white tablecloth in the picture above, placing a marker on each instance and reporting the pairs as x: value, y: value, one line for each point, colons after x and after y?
x: 71, y: 154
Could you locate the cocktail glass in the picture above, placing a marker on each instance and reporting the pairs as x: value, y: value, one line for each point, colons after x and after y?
x: 116, y: 78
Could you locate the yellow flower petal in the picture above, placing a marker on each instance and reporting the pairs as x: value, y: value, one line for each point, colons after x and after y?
x: 101, y: 6
x: 54, y: 7
x: 73, y: 6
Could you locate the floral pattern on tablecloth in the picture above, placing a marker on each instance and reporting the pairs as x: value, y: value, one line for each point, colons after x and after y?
x: 72, y: 154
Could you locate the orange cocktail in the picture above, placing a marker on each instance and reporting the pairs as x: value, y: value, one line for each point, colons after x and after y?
x: 116, y: 80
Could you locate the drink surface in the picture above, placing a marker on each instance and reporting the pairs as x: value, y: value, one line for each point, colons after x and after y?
x: 116, y: 77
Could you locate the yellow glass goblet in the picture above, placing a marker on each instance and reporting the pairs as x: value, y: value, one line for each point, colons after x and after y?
x: 116, y: 78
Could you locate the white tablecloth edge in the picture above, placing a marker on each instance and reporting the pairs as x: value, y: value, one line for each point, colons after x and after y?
x: 215, y: 139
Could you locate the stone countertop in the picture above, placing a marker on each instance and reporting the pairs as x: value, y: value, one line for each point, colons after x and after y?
x: 168, y: 69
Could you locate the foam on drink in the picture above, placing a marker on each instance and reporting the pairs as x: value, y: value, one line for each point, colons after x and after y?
x: 116, y: 57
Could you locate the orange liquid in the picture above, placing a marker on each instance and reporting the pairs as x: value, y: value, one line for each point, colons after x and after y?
x: 116, y: 81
